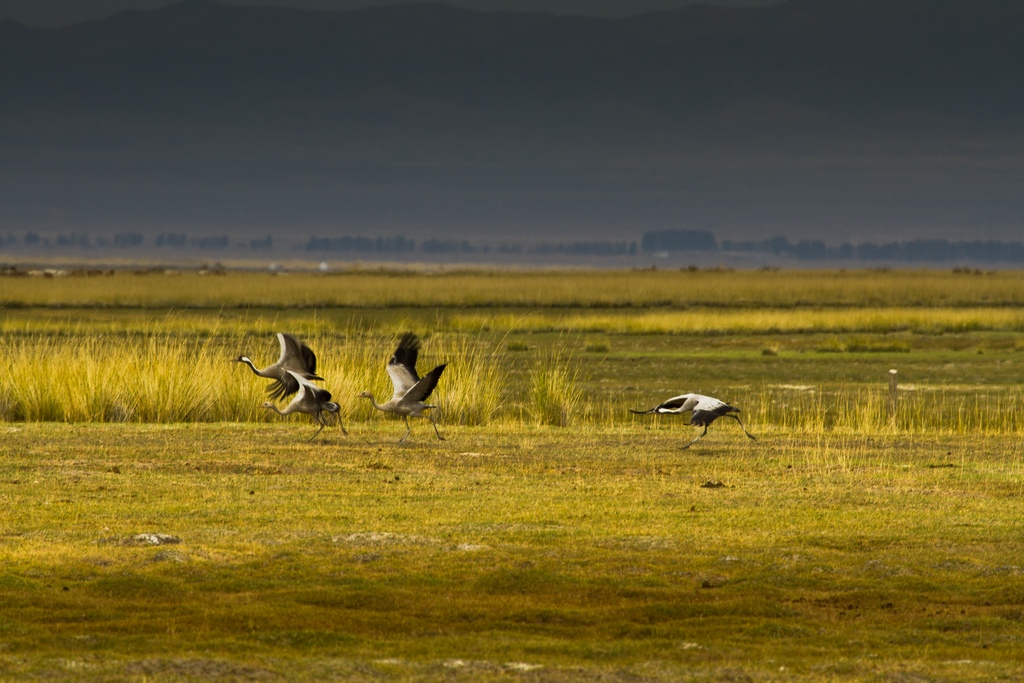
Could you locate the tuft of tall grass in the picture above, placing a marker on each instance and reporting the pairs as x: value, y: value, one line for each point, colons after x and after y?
x: 476, y: 381
x: 132, y: 378
x: 554, y: 393
x: 183, y: 378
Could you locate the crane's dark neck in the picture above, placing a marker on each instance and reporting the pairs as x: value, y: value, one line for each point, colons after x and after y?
x: 257, y: 371
x: 372, y: 400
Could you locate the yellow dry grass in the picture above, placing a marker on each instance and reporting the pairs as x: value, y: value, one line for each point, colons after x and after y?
x: 747, y: 321
x: 553, y: 536
x: 513, y: 552
x: 361, y: 289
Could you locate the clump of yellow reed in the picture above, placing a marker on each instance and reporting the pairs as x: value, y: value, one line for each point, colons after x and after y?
x: 177, y: 376
x: 122, y: 378
x: 554, y: 394
x: 180, y: 377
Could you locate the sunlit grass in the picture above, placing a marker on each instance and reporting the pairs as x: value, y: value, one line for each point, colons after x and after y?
x: 502, y: 288
x: 690, y: 321
x: 753, y: 321
x: 958, y: 411
x: 130, y: 379
x: 554, y: 394
x: 554, y: 535
x: 161, y: 379
x: 597, y: 555
x: 165, y: 379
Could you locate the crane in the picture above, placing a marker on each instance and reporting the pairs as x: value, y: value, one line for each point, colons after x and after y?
x: 410, y: 390
x: 296, y: 359
x: 705, y: 411
x: 309, y: 399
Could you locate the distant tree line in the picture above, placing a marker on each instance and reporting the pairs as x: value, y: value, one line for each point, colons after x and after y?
x: 74, y: 239
x: 679, y: 240
x: 910, y: 251
x: 653, y: 242
x: 450, y: 246
x: 436, y: 246
x: 347, y: 244
x: 131, y: 240
x: 392, y: 245
x: 585, y: 248
x: 128, y: 239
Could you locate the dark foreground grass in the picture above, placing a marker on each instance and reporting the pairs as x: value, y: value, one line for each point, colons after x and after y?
x: 507, y: 554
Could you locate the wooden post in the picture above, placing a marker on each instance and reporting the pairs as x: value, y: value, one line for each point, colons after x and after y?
x: 892, y: 397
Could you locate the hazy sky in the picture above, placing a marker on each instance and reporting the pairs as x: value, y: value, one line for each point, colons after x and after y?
x: 52, y: 13
x: 565, y: 130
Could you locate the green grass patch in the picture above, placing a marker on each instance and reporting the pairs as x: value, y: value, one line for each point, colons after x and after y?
x: 575, y: 556
x: 554, y: 536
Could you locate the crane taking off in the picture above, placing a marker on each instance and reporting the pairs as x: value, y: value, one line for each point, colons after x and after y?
x: 705, y: 411
x: 309, y: 399
x: 296, y: 360
x: 410, y: 390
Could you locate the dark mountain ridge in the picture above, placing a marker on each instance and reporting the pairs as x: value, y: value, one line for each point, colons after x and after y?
x: 947, y: 56
x: 420, y: 117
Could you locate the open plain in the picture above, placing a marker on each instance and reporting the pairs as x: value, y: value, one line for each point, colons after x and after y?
x: 158, y: 525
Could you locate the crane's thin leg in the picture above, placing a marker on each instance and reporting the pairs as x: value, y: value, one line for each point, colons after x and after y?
x: 431, y: 418
x: 337, y: 415
x: 749, y: 435
x: 320, y: 420
x: 408, y: 430
x: 702, y: 435
x: 319, y: 417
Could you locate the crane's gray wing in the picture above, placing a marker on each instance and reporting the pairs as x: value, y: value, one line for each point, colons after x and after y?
x: 403, y: 378
x: 408, y: 351
x: 320, y: 394
x: 310, y: 397
x: 301, y: 395
x: 283, y: 387
x: 675, y: 405
x: 317, y: 399
x: 289, y: 359
x: 287, y: 344
x: 308, y: 358
x: 297, y: 356
x: 423, y: 388
x: 402, y: 366
x: 710, y: 409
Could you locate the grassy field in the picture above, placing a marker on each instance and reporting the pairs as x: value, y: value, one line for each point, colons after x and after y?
x: 554, y: 536
x: 531, y: 553
x: 587, y: 289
